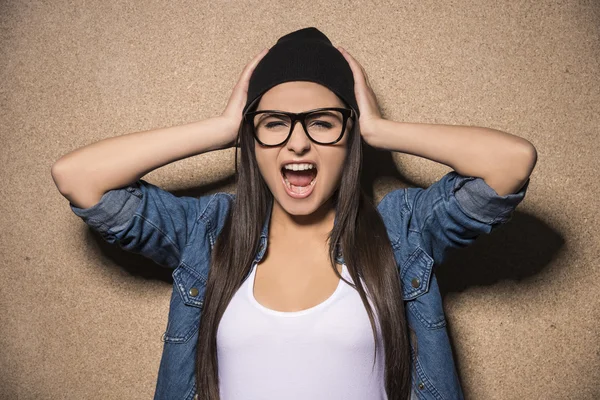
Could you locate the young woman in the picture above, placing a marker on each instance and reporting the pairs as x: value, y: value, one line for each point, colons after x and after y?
x: 297, y: 286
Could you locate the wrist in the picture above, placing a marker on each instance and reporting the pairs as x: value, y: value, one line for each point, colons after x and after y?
x: 371, y: 132
x: 228, y: 130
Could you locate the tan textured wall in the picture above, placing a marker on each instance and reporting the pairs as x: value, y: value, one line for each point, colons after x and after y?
x: 82, y: 320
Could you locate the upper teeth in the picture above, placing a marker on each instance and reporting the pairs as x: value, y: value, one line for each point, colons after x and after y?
x: 298, y: 167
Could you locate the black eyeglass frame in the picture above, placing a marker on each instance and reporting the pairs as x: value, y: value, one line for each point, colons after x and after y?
x: 346, y: 113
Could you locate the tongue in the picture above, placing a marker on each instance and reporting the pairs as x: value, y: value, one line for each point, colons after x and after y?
x: 300, y: 178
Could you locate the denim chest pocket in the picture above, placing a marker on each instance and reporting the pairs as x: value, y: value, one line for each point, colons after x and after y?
x: 420, y: 290
x: 186, y: 304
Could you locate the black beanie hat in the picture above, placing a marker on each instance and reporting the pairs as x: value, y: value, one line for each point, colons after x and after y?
x: 303, y: 55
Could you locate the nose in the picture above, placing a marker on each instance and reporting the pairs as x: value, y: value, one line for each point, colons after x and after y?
x: 298, y: 141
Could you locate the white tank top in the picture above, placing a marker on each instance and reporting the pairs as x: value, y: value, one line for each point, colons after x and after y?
x: 323, y: 352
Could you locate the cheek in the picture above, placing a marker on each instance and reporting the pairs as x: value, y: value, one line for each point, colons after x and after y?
x: 339, y: 171
x: 267, y: 163
x: 335, y: 166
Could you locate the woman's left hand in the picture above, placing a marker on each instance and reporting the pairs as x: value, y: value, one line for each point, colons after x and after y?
x: 365, y: 97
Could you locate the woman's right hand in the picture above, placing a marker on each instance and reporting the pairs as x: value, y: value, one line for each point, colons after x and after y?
x: 232, y: 116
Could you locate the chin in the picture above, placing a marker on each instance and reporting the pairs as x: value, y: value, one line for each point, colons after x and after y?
x: 293, y: 206
x: 299, y: 209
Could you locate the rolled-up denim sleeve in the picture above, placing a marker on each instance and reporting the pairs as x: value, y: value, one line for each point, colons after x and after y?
x: 455, y: 210
x: 144, y: 219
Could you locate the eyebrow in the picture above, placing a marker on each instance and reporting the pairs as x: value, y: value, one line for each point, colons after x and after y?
x: 327, y: 112
x: 273, y: 113
x: 269, y: 114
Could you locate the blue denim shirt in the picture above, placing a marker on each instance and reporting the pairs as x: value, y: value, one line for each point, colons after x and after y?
x: 422, y: 224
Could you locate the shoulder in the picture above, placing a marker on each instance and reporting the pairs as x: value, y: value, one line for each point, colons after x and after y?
x: 213, y: 203
x: 214, y: 208
x: 394, y: 209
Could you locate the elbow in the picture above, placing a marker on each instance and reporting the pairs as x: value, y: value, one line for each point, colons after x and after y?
x: 67, y: 178
x: 58, y: 173
x: 514, y: 171
x: 70, y: 186
x: 523, y: 165
x: 528, y: 159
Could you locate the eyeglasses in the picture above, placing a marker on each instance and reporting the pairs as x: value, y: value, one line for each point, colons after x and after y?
x: 322, y: 125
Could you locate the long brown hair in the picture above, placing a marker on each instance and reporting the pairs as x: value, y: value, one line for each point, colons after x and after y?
x: 359, y: 231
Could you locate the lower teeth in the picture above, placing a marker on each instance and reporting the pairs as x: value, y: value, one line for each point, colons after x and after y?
x: 299, y: 189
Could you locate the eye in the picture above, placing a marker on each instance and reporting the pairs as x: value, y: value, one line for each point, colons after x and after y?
x: 323, y: 124
x: 326, y: 120
x: 273, y: 124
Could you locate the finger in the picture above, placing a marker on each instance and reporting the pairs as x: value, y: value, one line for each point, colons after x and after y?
x: 366, y: 79
x: 252, y: 64
x: 354, y: 65
x: 257, y: 57
x: 364, y: 74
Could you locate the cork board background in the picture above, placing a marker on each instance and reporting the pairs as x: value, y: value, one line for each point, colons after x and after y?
x: 83, y: 320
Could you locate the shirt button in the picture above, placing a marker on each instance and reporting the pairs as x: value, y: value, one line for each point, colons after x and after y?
x: 415, y: 282
x: 193, y: 292
x: 421, y: 385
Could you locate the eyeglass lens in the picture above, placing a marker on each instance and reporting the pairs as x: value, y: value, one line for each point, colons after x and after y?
x: 323, y: 126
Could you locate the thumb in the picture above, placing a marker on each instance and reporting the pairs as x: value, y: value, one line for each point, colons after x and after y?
x: 238, y: 98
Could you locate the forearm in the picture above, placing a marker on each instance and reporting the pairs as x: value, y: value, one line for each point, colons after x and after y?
x: 84, y: 174
x: 503, y: 160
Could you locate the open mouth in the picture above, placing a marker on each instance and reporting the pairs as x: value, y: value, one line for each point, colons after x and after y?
x: 300, y: 183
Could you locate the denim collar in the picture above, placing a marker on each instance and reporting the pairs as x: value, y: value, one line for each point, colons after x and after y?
x: 265, y: 234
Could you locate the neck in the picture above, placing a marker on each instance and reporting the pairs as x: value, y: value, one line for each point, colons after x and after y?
x: 316, y: 225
